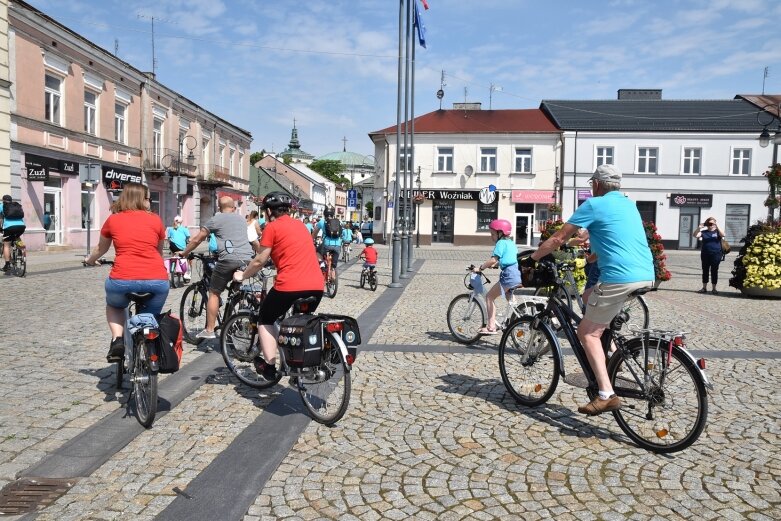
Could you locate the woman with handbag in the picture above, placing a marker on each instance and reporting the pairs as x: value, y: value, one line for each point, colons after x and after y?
x: 711, y: 253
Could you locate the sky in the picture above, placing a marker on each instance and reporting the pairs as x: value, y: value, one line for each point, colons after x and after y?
x: 332, y: 64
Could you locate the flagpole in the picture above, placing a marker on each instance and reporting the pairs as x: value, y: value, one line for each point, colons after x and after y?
x: 396, y: 239
x: 411, y: 140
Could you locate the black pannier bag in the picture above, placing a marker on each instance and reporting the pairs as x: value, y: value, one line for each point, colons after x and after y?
x: 301, y: 338
x: 170, y: 343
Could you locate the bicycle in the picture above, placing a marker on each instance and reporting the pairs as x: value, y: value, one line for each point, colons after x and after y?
x: 176, y: 270
x: 369, y: 274
x: 331, y: 283
x: 346, y: 249
x: 192, y: 306
x: 467, y: 313
x: 316, y: 350
x: 18, y: 258
x: 655, y: 414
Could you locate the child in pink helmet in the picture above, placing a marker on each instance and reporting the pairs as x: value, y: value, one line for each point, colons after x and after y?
x: 505, y: 255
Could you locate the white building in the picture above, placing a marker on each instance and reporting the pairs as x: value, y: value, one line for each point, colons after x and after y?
x: 457, y: 154
x: 682, y: 160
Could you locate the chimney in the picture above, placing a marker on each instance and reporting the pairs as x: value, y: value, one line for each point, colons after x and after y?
x: 467, y: 106
x: 640, y: 94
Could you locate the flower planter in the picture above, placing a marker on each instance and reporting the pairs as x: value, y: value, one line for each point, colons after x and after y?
x: 761, y: 292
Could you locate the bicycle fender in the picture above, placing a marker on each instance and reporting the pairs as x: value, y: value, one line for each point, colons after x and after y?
x: 691, y: 358
x: 342, y: 347
x: 540, y: 324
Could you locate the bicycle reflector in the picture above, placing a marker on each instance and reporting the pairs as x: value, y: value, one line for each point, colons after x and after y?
x: 701, y: 363
x: 334, y: 327
x: 678, y: 340
x: 151, y: 334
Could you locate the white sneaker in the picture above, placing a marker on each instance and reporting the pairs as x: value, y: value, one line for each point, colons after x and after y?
x: 187, y: 277
x: 206, y: 334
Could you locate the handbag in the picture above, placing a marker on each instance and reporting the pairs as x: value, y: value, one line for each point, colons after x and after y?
x: 725, y: 248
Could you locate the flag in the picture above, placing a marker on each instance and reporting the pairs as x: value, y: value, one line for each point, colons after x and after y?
x: 419, y: 24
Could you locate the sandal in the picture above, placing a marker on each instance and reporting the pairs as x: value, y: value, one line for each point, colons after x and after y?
x: 486, y: 331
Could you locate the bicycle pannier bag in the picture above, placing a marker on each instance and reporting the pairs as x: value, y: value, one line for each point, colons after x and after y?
x: 725, y: 247
x: 300, y: 337
x: 171, y: 333
x: 333, y: 230
x: 13, y: 210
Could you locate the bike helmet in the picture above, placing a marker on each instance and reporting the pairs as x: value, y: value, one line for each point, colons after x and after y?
x: 368, y: 241
x: 328, y: 213
x: 7, y: 198
x: 501, y: 225
x: 276, y: 200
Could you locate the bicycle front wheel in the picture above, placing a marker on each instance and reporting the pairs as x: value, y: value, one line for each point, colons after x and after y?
x: 239, y: 346
x: 144, y: 385
x: 465, y: 316
x: 192, y: 309
x: 331, y: 286
x: 528, y: 362
x: 325, y: 390
x: 664, y: 405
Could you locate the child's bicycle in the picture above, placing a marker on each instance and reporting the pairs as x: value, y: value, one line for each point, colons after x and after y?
x: 467, y: 312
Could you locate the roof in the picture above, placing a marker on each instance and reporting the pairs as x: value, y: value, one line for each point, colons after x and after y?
x: 735, y: 115
x: 770, y: 102
x: 454, y: 121
x: 348, y: 159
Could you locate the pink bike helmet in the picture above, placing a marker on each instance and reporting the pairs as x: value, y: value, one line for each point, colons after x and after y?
x: 501, y: 225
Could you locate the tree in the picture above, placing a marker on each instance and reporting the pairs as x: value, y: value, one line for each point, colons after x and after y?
x: 370, y: 208
x: 256, y: 156
x: 331, y: 169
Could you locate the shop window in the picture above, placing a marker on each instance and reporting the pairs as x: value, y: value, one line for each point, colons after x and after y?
x: 486, y: 213
x: 542, y: 213
x: 647, y: 210
x: 524, y: 208
x: 736, y: 222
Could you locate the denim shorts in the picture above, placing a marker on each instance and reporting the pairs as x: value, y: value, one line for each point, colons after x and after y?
x: 117, y: 288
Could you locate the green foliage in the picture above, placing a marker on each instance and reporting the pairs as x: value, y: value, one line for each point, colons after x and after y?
x: 758, y: 264
x: 256, y: 156
x: 370, y: 208
x: 331, y: 169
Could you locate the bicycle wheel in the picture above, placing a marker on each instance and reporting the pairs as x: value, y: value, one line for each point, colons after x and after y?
x: 373, y: 281
x: 144, y: 385
x: 325, y: 390
x: 19, y: 260
x: 668, y: 413
x: 239, y: 346
x: 637, y: 313
x: 528, y: 362
x: 465, y: 316
x: 560, y: 292
x: 331, y: 286
x: 192, y: 309
x: 363, y: 278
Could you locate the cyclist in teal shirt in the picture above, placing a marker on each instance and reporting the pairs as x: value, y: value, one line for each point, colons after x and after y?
x: 13, y: 228
x: 505, y: 255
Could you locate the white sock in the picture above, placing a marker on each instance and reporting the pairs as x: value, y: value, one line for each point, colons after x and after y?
x: 605, y: 394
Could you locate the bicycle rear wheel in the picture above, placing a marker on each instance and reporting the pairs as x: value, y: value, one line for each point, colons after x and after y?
x: 331, y: 286
x: 528, y: 362
x: 239, y: 346
x: 192, y: 309
x: 19, y: 262
x: 325, y: 390
x: 668, y: 413
x: 465, y: 316
x: 144, y: 385
x: 373, y: 280
x: 637, y: 313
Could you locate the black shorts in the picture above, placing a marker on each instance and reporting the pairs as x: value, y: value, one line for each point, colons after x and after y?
x: 276, y: 303
x: 223, y: 274
x: 173, y: 248
x: 12, y: 233
x: 337, y: 250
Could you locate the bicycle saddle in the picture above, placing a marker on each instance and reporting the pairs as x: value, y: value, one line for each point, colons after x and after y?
x: 302, y: 305
x: 139, y: 298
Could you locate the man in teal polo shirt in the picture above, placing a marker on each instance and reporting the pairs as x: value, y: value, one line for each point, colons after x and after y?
x: 618, y: 238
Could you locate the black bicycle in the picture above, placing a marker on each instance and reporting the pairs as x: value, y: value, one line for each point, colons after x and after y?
x: 18, y: 258
x: 661, y: 385
x: 369, y: 274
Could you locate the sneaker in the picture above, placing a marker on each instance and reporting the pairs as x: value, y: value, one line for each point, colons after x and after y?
x: 187, y: 278
x: 703, y: 290
x: 266, y: 370
x: 116, y: 350
x: 6, y: 266
x: 206, y: 334
x: 598, y: 405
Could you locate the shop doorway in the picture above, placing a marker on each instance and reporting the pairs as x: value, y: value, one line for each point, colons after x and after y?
x: 442, y: 220
x: 688, y: 221
x: 524, y: 224
x: 52, y: 214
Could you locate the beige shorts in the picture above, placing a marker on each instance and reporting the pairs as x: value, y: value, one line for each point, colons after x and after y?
x: 606, y: 300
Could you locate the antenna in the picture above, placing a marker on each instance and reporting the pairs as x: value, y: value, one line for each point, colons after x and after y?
x: 152, y: 18
x: 441, y: 91
x: 764, y: 77
x: 493, y: 88
x: 116, y: 47
x: 466, y: 91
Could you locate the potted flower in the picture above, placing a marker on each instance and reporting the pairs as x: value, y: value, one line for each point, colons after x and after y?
x: 661, y: 273
x: 418, y: 198
x: 772, y: 202
x: 757, y: 269
x: 554, y: 209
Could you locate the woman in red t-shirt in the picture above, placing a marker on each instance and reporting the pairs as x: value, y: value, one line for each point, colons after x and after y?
x: 288, y: 243
x: 137, y: 235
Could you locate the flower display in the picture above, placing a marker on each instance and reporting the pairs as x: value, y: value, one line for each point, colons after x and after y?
x: 774, y: 175
x: 758, y: 264
x: 554, y: 209
x: 550, y: 227
x: 661, y: 272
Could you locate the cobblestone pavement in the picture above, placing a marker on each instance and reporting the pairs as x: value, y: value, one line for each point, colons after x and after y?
x: 429, y: 434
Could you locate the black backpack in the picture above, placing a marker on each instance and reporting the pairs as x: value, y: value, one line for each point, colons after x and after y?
x: 13, y: 210
x: 333, y: 229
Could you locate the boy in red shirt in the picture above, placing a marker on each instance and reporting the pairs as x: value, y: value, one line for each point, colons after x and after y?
x: 369, y: 254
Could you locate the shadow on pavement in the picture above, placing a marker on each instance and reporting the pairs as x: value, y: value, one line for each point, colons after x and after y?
x: 479, y: 344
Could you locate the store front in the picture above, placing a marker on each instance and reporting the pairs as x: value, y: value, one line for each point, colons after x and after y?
x: 530, y: 208
x: 689, y: 218
x: 442, y: 221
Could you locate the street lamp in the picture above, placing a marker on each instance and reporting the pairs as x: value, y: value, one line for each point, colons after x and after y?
x: 190, y: 143
x: 765, y: 139
x: 417, y: 214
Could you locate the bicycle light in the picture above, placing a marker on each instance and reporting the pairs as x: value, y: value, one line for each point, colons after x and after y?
x: 334, y: 327
x: 678, y: 341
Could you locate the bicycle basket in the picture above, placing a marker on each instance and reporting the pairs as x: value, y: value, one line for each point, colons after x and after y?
x: 542, y: 276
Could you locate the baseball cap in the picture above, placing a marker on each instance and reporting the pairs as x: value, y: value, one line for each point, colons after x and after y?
x: 607, y: 173
x: 177, y: 219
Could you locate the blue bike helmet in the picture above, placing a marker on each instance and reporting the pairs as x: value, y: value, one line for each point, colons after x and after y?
x: 368, y: 241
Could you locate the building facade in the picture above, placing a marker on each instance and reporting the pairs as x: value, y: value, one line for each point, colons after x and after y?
x: 467, y: 167
x: 84, y: 122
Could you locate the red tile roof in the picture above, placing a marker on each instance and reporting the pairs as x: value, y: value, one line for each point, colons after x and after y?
x: 455, y: 121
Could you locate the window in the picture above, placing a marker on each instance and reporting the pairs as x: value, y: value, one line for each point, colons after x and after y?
x: 741, y: 161
x: 222, y: 156
x: 647, y: 210
x: 646, y: 160
x: 231, y: 157
x: 541, y: 213
x: 52, y: 96
x: 90, y: 110
x: 88, y: 202
x: 405, y: 154
x: 691, y: 160
x: 205, y: 150
x: 736, y: 222
x: 523, y: 160
x: 604, y: 156
x: 120, y: 112
x: 488, y: 160
x: 157, y: 141
x: 486, y: 213
x: 154, y: 202
x: 444, y: 159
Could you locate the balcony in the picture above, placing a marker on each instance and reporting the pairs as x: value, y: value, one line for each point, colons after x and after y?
x: 160, y: 161
x: 213, y: 175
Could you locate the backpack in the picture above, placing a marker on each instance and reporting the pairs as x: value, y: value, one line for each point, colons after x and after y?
x: 333, y: 229
x: 170, y: 343
x: 13, y: 210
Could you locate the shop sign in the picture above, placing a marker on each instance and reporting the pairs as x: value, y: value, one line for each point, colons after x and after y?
x: 453, y: 195
x: 68, y: 167
x: 584, y: 194
x: 115, y: 178
x: 37, y: 167
x: 532, y: 196
x: 702, y: 200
